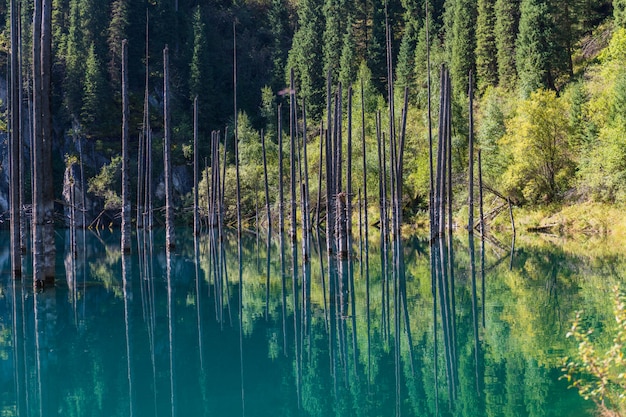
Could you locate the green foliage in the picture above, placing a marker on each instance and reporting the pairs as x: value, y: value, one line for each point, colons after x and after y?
x: 486, y: 51
x: 348, y: 64
x: 332, y: 39
x: 598, y: 374
x: 117, y: 31
x: 602, y: 172
x: 463, y: 47
x: 490, y: 128
x: 305, y: 56
x: 94, y: 95
x: 537, y: 138
x: 106, y: 184
x: 505, y: 31
x: 619, y: 12
x: 406, y: 57
x: 535, y: 46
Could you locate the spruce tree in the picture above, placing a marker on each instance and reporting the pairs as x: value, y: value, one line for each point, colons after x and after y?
x: 406, y: 55
x: 486, y: 52
x: 117, y: 31
x: 278, y: 19
x: 201, y: 76
x: 332, y: 40
x: 462, y: 57
x: 94, y: 101
x: 505, y: 31
x: 536, y: 47
x: 347, y: 68
x: 306, y: 57
x: 376, y: 52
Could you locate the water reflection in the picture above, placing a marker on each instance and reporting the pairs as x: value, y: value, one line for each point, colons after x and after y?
x: 198, y: 332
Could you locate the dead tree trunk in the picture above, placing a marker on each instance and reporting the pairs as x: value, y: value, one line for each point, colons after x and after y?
x: 196, y: 217
x: 167, y: 149
x: 470, y: 222
x: 125, y: 158
x: 15, y: 154
x: 46, y: 124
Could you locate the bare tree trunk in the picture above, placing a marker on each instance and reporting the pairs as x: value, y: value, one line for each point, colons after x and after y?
x: 46, y: 123
x: 236, y: 139
x: 23, y: 225
x: 37, y: 146
x: 196, y: 217
x: 167, y: 149
x: 125, y: 158
x: 292, y: 158
x: 15, y: 154
x: 266, y: 182
x: 306, y: 214
x: 365, y: 215
x: 470, y: 221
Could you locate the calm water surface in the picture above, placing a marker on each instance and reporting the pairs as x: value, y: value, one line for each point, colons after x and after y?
x: 190, y: 333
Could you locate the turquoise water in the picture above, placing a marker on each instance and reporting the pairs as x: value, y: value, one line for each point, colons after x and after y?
x: 158, y: 334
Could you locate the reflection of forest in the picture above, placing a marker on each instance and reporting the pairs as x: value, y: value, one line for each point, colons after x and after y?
x: 163, y: 336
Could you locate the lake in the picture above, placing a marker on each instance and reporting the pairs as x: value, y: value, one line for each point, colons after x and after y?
x: 193, y: 332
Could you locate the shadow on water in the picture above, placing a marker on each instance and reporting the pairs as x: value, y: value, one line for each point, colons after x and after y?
x: 151, y: 333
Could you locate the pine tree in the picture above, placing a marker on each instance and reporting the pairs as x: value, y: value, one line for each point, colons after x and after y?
x: 486, y: 51
x: 462, y: 58
x: 306, y: 56
x: 505, y: 31
x: 347, y: 72
x: 406, y: 59
x: 535, y: 47
x: 332, y: 40
x: 117, y: 31
x: 94, y: 92
x: 201, y: 77
x: 74, y: 61
x: 376, y: 51
x: 278, y: 19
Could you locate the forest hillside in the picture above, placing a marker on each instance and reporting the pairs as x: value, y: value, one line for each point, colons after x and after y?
x: 549, y: 87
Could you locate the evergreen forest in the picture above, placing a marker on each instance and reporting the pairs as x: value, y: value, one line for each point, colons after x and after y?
x: 548, y: 79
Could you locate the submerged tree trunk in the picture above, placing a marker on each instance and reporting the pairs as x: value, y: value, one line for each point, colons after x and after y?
x: 169, y: 203
x: 125, y: 158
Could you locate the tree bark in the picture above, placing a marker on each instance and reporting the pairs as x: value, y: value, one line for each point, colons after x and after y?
x: 46, y: 124
x: 169, y: 203
x: 15, y: 154
x: 37, y: 149
x: 196, y: 217
x: 125, y: 158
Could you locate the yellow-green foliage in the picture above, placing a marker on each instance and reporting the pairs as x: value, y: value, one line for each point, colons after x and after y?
x: 603, y: 162
x: 537, y: 140
x: 600, y: 375
x: 106, y: 183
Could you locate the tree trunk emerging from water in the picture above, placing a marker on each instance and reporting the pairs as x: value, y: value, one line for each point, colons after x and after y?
x: 169, y: 208
x: 46, y: 123
x: 125, y: 158
x: 43, y: 203
x: 15, y: 154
